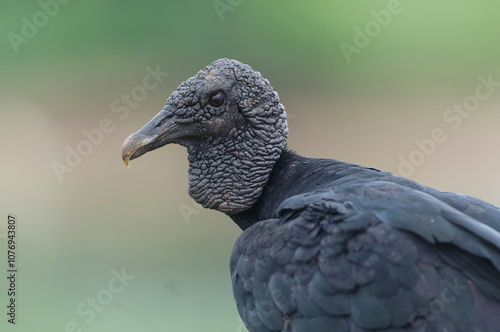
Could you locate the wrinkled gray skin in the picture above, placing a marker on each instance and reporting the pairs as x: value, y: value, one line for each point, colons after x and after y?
x: 232, y: 148
x: 326, y: 245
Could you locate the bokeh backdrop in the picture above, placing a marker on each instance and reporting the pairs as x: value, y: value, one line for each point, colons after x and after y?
x: 410, y: 87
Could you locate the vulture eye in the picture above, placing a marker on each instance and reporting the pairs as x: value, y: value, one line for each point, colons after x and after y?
x: 217, y: 100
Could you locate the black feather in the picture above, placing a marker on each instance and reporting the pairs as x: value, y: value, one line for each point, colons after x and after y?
x: 356, y: 249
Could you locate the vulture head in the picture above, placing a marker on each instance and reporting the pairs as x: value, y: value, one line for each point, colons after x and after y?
x: 233, y: 126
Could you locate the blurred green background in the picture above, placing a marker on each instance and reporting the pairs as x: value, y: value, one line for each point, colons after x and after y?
x: 102, y: 217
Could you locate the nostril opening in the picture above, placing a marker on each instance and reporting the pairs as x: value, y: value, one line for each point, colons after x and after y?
x: 161, y: 122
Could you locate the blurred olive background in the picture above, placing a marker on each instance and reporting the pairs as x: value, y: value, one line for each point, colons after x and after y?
x: 104, y: 216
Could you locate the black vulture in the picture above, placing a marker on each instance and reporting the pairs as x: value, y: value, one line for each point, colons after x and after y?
x: 326, y: 245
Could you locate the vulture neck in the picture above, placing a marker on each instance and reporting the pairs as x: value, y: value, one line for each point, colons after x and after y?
x: 286, y: 179
x: 292, y: 175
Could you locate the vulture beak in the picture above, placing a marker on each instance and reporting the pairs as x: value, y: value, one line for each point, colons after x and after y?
x: 161, y: 130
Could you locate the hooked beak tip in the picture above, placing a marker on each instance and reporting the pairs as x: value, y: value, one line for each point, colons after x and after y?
x: 134, y: 146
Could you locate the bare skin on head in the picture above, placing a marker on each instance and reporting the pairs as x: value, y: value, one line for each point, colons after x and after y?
x: 233, y: 126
